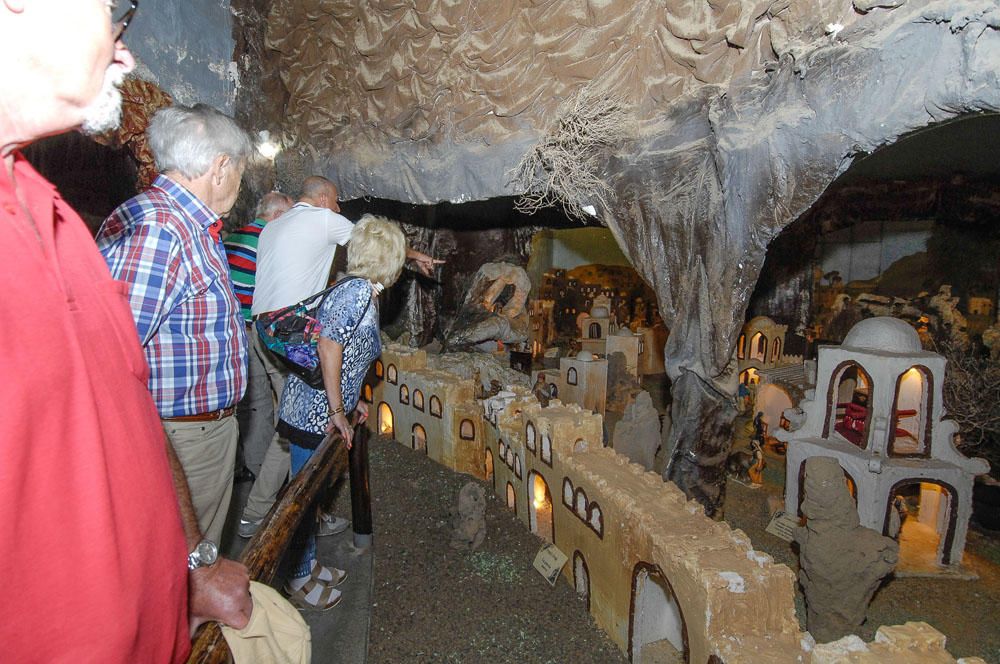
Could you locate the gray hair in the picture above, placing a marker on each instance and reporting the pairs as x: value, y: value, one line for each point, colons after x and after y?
x: 187, y: 138
x: 377, y: 250
x: 272, y: 204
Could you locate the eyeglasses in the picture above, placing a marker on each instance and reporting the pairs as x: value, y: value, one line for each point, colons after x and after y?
x: 119, y: 24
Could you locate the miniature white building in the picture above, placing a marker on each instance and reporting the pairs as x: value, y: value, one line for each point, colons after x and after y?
x: 596, y: 326
x: 878, y: 410
x: 651, y: 356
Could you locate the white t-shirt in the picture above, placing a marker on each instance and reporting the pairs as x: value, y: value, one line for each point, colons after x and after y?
x: 294, y: 255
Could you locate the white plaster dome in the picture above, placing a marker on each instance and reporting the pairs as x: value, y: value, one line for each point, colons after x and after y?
x: 884, y: 333
x: 600, y: 311
x: 585, y: 356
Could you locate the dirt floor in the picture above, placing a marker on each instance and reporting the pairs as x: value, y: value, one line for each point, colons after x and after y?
x: 435, y: 604
x: 967, y: 612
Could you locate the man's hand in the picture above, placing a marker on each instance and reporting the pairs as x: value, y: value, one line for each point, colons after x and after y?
x: 424, y: 263
x: 219, y: 592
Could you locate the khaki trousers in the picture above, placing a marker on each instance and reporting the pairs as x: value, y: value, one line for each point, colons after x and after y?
x: 207, y: 452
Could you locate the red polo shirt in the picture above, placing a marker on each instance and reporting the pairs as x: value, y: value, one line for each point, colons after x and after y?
x: 92, y: 552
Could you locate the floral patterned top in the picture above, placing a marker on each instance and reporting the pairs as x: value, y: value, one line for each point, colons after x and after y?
x: 347, y: 319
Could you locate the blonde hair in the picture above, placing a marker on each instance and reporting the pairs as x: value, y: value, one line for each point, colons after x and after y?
x: 377, y: 250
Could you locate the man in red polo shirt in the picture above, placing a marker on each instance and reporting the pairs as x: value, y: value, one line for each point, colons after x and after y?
x: 94, y: 548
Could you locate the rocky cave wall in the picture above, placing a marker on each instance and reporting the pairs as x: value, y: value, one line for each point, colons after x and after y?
x: 745, y: 113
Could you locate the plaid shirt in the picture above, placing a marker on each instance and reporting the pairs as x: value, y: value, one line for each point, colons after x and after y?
x: 162, y: 244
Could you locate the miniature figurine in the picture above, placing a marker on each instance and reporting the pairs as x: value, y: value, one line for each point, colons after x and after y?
x: 541, y: 390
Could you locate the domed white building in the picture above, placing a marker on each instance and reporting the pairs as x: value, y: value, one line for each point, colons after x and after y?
x: 878, y: 410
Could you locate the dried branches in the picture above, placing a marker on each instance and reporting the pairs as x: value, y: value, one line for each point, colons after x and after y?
x: 565, y: 166
x: 972, y: 399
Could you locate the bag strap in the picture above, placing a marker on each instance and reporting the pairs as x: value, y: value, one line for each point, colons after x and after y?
x: 322, y: 294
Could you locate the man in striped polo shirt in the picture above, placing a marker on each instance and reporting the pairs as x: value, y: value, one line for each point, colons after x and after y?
x: 255, y: 411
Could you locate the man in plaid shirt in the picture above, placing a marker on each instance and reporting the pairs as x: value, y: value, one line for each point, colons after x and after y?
x: 165, y: 245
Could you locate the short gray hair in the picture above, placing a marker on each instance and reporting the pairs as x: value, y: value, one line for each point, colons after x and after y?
x: 377, y: 250
x: 272, y: 204
x: 187, y: 138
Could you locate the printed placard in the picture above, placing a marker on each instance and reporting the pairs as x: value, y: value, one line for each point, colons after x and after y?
x: 782, y: 524
x: 549, y: 562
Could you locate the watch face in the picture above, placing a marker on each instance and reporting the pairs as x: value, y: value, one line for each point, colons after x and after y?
x: 207, y: 552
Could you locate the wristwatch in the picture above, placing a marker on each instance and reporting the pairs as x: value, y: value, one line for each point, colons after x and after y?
x: 205, y: 554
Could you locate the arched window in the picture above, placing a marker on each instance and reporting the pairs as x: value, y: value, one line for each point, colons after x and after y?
x: 529, y: 436
x: 418, y: 399
x: 511, y: 498
x: 419, y: 439
x: 571, y: 377
x: 580, y: 504
x: 567, y: 493
x: 546, y: 453
x: 367, y: 393
x: 517, y: 466
x: 467, y: 430
x: 758, y: 347
x: 910, y: 430
x: 849, y: 404
x: 510, y: 457
x: 435, y: 406
x: 741, y: 347
x: 391, y: 374
x: 404, y: 394
x: 776, y: 351
x: 379, y: 368
x: 488, y: 464
x: 385, y: 426
x: 596, y: 520
x: 595, y: 331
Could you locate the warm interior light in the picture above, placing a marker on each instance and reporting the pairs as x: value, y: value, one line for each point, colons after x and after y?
x: 266, y: 146
x: 385, y: 421
x: 540, y: 500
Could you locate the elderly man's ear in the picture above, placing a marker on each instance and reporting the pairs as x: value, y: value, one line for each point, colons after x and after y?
x: 220, y: 165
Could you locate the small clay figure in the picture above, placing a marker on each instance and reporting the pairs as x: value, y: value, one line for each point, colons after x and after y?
x: 841, y: 563
x: 468, y: 521
x: 747, y: 467
x: 541, y: 390
x: 477, y: 380
x: 758, y: 428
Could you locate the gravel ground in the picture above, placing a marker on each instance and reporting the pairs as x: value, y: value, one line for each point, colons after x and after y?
x: 965, y: 611
x: 435, y: 604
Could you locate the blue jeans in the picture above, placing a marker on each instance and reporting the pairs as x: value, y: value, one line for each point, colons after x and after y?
x: 303, y: 550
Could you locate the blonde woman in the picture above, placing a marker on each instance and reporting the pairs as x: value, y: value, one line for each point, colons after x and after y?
x: 348, y: 344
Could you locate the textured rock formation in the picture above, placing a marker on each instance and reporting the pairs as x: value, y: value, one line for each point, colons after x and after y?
x: 637, y: 435
x: 841, y: 563
x: 468, y: 521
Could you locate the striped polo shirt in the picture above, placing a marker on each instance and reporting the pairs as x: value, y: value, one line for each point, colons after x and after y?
x: 241, y: 252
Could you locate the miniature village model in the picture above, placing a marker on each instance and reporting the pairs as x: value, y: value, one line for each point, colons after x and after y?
x: 657, y: 574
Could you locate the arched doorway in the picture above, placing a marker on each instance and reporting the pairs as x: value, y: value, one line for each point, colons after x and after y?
x: 488, y: 467
x: 511, y: 498
x: 581, y: 577
x: 540, y: 507
x: 927, y: 512
x: 385, y: 426
x: 418, y: 439
x: 657, y: 632
x: 849, y: 408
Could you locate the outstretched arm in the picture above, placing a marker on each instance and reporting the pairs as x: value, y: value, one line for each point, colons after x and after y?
x: 425, y: 264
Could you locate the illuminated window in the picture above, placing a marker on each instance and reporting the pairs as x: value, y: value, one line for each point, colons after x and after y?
x: 385, y: 419
x: 379, y: 369
x: 435, y: 406
x: 467, y: 430
x: 418, y: 399
x: 368, y: 393
x: 404, y: 394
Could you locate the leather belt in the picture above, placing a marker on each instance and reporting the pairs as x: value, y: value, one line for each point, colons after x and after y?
x: 203, y: 417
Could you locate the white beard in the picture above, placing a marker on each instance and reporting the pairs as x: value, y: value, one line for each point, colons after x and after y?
x: 105, y: 112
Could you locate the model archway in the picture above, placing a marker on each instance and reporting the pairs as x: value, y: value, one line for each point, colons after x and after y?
x: 657, y: 632
x: 581, y: 577
x: 540, y: 507
x: 385, y: 420
x: 418, y: 438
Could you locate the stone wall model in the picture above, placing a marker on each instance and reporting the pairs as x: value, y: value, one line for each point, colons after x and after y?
x: 642, y: 554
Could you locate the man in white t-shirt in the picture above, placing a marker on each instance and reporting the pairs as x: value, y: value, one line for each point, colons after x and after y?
x: 294, y: 256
